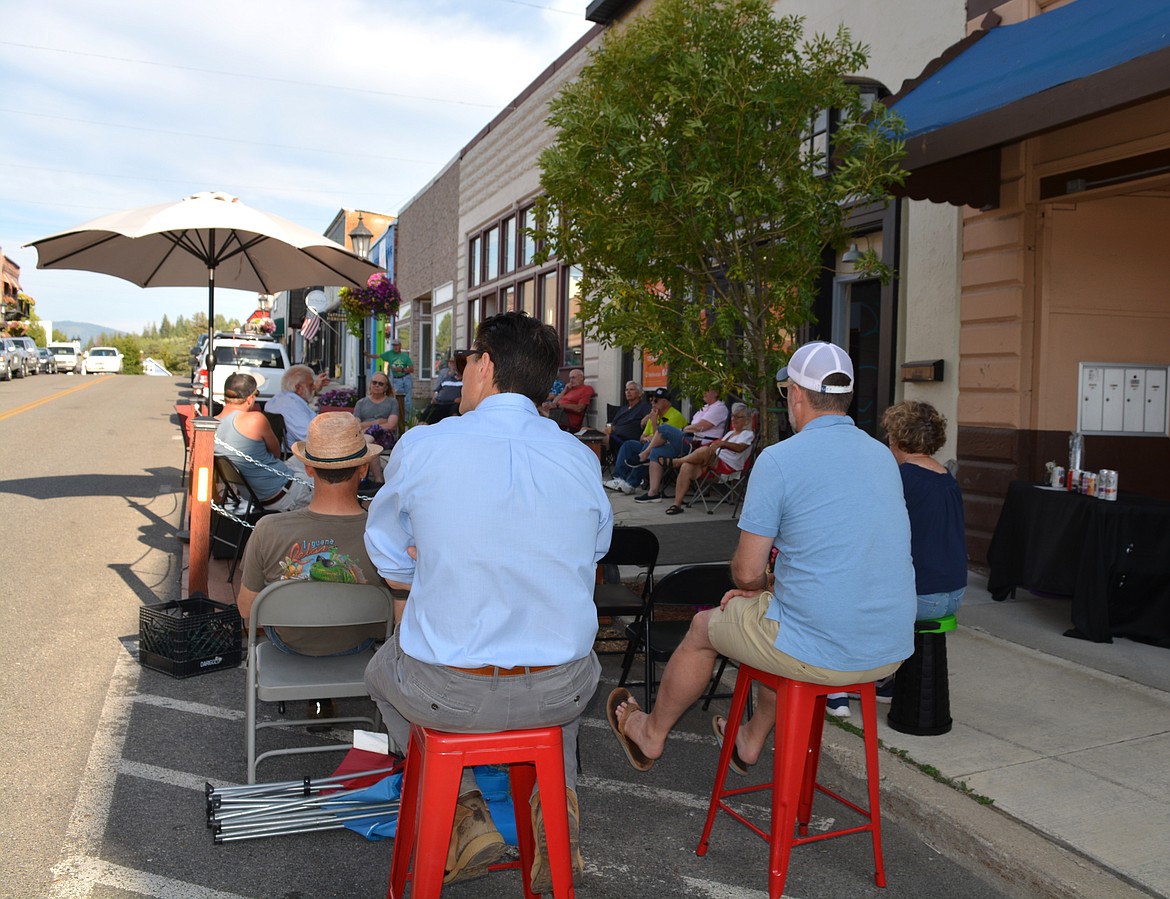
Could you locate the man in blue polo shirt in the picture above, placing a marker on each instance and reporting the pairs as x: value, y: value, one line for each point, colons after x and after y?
x: 841, y: 610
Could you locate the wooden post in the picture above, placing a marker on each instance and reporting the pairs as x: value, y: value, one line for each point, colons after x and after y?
x: 202, y: 492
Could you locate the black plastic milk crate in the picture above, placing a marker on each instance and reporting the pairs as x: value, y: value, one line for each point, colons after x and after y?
x: 188, y: 637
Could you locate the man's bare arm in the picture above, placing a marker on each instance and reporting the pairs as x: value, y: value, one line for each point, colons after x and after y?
x: 749, y: 565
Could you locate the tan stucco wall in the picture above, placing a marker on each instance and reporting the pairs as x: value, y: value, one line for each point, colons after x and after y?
x: 1048, y: 285
x: 498, y: 174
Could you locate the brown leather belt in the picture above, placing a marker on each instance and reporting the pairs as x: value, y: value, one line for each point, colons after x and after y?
x: 278, y: 494
x: 492, y: 670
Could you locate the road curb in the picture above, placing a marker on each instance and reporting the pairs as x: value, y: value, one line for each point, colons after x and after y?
x: 987, y: 841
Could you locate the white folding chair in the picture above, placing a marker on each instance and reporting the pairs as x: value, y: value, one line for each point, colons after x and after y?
x: 275, y: 676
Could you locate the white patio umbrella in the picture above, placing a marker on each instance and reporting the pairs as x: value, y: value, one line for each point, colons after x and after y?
x: 205, y: 238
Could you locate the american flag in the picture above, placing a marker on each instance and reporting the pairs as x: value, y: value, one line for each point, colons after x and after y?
x: 311, y: 325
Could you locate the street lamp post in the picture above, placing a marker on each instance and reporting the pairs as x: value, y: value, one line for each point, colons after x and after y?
x: 359, y: 241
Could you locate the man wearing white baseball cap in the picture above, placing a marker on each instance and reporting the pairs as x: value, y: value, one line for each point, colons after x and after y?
x: 841, y: 610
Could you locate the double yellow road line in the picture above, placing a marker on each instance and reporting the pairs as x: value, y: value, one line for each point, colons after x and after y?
x: 52, y: 396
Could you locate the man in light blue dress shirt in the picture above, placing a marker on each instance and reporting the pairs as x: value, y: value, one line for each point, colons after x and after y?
x: 498, y: 630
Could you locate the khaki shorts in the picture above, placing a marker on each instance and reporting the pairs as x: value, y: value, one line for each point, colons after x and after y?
x: 741, y: 632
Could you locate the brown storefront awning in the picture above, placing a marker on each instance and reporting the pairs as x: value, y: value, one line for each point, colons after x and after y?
x: 1002, y: 84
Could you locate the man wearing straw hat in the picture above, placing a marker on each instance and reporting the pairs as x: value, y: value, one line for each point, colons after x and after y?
x: 497, y: 633
x: 323, y: 542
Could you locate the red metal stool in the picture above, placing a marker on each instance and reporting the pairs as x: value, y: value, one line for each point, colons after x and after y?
x: 434, y: 765
x: 800, y: 718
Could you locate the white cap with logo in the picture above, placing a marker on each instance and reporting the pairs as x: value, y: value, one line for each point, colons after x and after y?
x: 813, y: 362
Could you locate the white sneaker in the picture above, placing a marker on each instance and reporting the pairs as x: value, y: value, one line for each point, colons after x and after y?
x: 611, y: 484
x: 625, y: 488
x: 838, y: 705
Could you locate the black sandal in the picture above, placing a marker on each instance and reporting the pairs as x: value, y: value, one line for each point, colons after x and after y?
x: 675, y: 510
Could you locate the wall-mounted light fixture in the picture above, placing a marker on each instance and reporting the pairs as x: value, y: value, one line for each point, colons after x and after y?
x: 852, y: 254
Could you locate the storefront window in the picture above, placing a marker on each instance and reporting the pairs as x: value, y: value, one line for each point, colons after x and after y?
x: 528, y: 242
x: 507, y: 245
x: 526, y: 297
x: 474, y: 261
x: 491, y: 253
x: 574, y: 329
x: 549, y: 298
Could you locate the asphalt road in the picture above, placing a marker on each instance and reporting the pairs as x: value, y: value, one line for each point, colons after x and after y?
x: 106, y: 762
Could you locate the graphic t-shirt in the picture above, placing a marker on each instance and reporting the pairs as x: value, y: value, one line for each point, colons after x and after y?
x: 305, y: 545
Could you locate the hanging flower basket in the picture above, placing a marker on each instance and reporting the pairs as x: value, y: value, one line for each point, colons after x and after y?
x: 378, y: 297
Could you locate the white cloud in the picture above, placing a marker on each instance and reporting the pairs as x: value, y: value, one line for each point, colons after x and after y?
x: 260, y: 98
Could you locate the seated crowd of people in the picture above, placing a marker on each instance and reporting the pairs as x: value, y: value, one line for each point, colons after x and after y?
x: 667, y: 443
x: 494, y: 631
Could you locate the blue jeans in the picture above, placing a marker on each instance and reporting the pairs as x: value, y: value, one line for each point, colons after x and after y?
x: 676, y: 444
x: 627, y: 453
x: 939, y: 605
x: 404, y: 387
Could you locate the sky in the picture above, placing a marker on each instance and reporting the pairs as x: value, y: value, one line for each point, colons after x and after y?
x: 297, y: 107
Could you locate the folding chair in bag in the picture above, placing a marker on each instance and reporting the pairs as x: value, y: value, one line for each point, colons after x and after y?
x: 693, y: 586
x: 275, y: 676
x: 629, y: 546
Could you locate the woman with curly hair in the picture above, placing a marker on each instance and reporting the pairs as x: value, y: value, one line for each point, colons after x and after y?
x: 916, y: 431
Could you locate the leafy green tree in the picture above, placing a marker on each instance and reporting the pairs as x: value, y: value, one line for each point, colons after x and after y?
x: 131, y: 351
x: 166, y: 328
x: 59, y: 336
x: 683, y: 182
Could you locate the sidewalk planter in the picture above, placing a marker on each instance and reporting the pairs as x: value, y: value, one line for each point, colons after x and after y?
x: 188, y: 637
x: 340, y: 399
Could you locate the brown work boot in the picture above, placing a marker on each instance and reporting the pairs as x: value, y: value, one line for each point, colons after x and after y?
x: 541, y: 873
x: 475, y: 842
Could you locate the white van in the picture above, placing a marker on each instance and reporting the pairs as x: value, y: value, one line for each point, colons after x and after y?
x: 68, y: 356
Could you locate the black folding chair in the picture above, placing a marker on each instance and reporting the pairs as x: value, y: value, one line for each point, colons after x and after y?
x: 629, y: 546
x: 693, y: 586
x: 276, y: 422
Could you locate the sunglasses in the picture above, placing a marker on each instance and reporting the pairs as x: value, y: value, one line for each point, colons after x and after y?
x: 380, y: 383
x: 461, y: 357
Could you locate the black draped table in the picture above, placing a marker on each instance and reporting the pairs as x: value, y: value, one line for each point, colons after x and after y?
x: 1111, y: 558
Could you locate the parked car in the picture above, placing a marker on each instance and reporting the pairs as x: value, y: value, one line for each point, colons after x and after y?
x: 5, y: 364
x: 68, y: 356
x: 18, y: 357
x: 46, y: 361
x: 262, y: 358
x: 103, y: 359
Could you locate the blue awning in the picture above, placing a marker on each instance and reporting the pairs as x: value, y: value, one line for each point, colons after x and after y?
x: 1009, y: 82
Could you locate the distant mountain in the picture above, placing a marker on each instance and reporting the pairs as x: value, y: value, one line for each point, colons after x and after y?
x: 85, y: 331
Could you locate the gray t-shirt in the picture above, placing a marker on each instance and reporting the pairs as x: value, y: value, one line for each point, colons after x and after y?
x: 305, y: 545
x: 367, y: 410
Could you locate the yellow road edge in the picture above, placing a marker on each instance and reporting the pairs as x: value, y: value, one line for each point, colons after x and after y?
x: 53, y: 396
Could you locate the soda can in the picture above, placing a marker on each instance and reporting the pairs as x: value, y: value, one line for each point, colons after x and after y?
x: 1074, y: 480
x: 1107, y: 484
x: 1057, y: 476
x: 1089, y: 483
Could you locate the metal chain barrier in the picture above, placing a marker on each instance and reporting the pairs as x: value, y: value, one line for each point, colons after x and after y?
x: 291, y: 475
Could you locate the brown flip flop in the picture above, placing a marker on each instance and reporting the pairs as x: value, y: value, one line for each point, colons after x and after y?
x: 637, y: 758
x: 738, y: 765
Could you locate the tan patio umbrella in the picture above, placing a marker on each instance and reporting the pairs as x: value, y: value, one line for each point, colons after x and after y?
x: 207, y: 238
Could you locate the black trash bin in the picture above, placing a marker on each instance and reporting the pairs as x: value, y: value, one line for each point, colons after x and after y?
x: 922, y: 692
